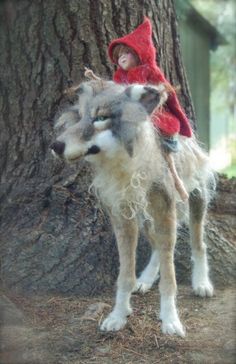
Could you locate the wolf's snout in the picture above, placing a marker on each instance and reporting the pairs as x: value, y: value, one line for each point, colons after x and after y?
x: 58, y: 147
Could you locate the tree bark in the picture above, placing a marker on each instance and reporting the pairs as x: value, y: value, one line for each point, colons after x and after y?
x: 53, y: 234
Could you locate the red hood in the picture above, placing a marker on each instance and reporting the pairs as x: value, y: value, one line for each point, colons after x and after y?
x: 140, y: 40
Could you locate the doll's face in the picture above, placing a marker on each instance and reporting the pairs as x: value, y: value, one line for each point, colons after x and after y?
x: 127, y: 60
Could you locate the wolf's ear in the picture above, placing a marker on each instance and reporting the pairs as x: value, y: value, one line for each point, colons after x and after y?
x: 149, y: 96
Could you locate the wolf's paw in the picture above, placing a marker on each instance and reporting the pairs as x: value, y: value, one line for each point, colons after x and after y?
x: 173, y: 327
x: 142, y: 286
x: 144, y: 283
x: 113, y: 322
x: 203, y: 289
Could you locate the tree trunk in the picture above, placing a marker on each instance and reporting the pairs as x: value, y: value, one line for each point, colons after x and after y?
x: 53, y: 233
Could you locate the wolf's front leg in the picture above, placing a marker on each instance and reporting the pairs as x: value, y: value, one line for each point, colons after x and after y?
x: 168, y: 312
x: 171, y: 323
x: 126, y: 232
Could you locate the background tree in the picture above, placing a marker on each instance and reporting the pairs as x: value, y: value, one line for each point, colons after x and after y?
x: 53, y: 234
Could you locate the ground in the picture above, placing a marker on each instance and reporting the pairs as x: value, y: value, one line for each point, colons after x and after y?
x: 64, y: 330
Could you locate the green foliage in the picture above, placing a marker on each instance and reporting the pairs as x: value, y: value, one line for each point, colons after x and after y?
x: 233, y: 150
x: 230, y: 171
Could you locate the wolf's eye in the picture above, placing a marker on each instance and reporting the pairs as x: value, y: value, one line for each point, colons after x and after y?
x: 100, y: 118
x: 101, y: 122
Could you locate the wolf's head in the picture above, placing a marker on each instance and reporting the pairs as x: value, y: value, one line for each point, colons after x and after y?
x: 106, y: 119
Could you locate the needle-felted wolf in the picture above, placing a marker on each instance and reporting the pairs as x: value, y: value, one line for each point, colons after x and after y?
x: 110, y: 127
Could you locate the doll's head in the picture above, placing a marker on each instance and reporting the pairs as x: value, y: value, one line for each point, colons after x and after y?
x: 125, y: 57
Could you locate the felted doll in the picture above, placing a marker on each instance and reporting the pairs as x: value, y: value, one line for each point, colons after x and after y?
x: 135, y: 56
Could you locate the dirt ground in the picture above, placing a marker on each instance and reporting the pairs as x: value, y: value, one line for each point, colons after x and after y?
x: 64, y: 330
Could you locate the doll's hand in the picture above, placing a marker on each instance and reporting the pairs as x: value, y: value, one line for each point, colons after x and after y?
x: 89, y: 74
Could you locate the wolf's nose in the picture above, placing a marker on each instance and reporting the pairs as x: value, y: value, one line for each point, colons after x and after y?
x: 58, y: 147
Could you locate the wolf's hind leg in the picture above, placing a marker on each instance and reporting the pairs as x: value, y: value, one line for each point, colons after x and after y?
x: 201, y: 283
x: 126, y: 232
x: 151, y: 273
